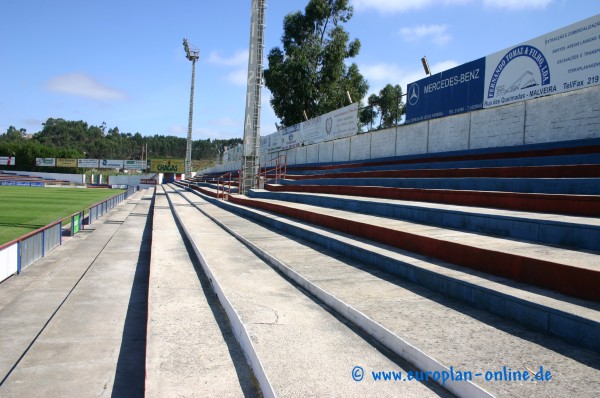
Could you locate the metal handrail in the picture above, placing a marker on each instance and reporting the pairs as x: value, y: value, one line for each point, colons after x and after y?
x: 280, y: 168
x: 220, y: 184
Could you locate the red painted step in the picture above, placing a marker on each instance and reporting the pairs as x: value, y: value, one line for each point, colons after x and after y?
x: 451, y: 158
x: 567, y: 279
x: 570, y: 171
x: 578, y: 205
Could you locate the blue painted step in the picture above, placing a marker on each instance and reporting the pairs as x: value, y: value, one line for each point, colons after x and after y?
x: 569, y: 186
x: 573, y: 233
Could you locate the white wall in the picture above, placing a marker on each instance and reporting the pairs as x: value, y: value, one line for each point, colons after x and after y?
x: 412, y: 139
x: 360, y: 147
x: 575, y: 114
x: 561, y: 117
x: 383, y: 143
x: 341, y: 150
x: 449, y: 134
x: 326, y: 152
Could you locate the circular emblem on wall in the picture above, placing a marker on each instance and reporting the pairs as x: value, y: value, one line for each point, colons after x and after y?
x: 413, y: 94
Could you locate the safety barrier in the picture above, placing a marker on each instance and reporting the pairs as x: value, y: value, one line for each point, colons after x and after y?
x: 17, y: 255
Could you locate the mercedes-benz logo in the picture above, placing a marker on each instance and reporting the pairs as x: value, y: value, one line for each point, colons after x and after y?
x: 413, y: 94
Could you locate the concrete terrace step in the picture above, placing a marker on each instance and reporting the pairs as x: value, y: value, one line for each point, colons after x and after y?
x: 566, y: 271
x: 574, y: 320
x: 570, y: 186
x: 570, y: 171
x: 444, y: 329
x: 578, y: 205
x: 524, y: 155
x: 186, y: 325
x: 434, y: 163
x: 551, y: 229
x: 296, y: 347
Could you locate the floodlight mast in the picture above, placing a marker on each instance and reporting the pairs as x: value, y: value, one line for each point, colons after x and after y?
x: 251, y: 155
x: 191, y: 54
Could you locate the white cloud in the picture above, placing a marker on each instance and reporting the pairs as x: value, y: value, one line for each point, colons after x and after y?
x: 83, y: 85
x: 379, y: 75
x: 397, y: 6
x: 238, y: 59
x: 438, y: 33
x: 517, y: 4
x: 387, y: 6
x: 238, y: 77
x: 381, y: 72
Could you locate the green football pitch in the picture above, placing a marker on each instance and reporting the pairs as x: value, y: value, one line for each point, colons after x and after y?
x: 25, y: 209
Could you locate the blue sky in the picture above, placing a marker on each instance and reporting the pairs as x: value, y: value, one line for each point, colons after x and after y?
x: 123, y: 63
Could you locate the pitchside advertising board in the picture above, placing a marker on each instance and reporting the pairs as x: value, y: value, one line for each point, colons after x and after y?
x: 111, y: 164
x: 87, y: 163
x: 167, y: 165
x: 560, y: 61
x: 135, y: 165
x: 7, y: 160
x: 45, y: 162
x: 65, y: 162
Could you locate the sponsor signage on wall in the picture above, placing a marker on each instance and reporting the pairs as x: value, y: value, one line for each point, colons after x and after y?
x: 340, y: 123
x: 87, y: 163
x: 135, y: 164
x: 456, y: 90
x: 111, y: 164
x: 560, y: 61
x: 66, y: 162
x: 45, y: 162
x: 291, y: 137
x: 167, y: 165
x: 7, y: 160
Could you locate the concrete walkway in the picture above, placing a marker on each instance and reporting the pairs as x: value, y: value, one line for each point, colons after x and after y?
x: 74, y: 323
x: 191, y: 350
x: 301, y: 347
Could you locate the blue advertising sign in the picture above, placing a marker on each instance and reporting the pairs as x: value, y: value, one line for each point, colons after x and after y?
x: 451, y: 92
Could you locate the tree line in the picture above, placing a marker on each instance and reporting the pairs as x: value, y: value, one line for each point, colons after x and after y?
x: 61, y: 138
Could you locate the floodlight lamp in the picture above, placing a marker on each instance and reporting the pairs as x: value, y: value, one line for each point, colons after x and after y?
x: 426, y: 66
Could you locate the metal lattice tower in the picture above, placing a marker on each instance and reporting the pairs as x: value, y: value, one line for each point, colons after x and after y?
x: 251, y: 155
x: 191, y: 54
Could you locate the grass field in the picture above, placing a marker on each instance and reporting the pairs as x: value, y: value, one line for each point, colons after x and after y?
x: 25, y: 209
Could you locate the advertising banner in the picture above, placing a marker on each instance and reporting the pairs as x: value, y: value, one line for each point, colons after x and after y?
x: 66, y: 162
x: 340, y: 123
x: 265, y: 143
x: 167, y: 165
x: 87, y: 163
x: 454, y: 91
x: 291, y: 137
x: 563, y: 60
x: 45, y: 162
x: 7, y: 160
x: 313, y: 131
x: 275, y: 143
x: 111, y: 164
x: 135, y: 164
